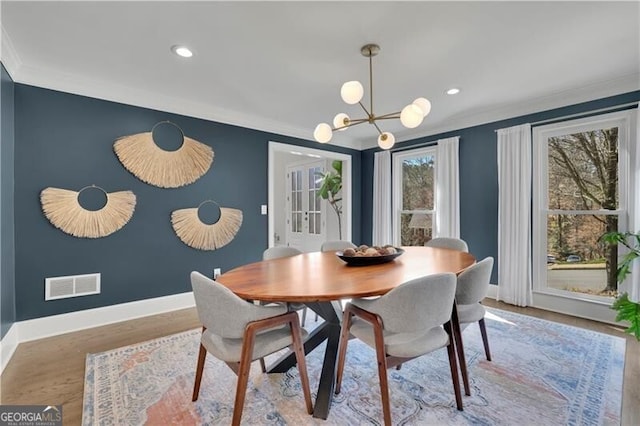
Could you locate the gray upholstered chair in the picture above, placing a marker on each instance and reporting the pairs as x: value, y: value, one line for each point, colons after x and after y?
x: 473, y: 285
x: 411, y: 320
x: 279, y: 251
x: 449, y: 243
x: 285, y: 251
x: 238, y: 332
x: 336, y: 245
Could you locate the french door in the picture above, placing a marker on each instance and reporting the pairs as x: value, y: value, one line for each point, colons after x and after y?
x: 306, y: 227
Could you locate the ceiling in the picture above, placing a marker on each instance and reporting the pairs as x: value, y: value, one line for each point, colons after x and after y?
x: 279, y: 66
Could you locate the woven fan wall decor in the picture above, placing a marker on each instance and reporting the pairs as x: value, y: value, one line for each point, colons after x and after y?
x: 62, y: 208
x: 167, y: 169
x: 202, y: 236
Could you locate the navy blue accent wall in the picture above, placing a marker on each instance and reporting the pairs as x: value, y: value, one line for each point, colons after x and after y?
x: 479, y: 174
x: 66, y: 141
x: 7, y: 250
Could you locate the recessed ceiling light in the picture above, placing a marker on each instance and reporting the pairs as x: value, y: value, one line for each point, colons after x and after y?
x: 182, y: 51
x: 453, y: 91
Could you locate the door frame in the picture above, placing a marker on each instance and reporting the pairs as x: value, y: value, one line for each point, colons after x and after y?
x: 347, y: 189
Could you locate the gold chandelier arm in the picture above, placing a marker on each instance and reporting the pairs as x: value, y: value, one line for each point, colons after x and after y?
x: 376, y: 126
x: 369, y: 114
x: 388, y: 116
x: 353, y: 122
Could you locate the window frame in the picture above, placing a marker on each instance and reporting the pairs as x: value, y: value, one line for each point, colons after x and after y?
x: 540, y: 193
x: 396, y: 189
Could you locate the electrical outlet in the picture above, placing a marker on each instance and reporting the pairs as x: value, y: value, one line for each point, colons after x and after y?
x: 216, y: 273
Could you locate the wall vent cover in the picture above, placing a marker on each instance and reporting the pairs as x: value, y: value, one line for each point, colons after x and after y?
x: 71, y: 286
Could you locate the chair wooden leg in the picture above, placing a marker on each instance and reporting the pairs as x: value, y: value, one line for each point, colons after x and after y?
x: 342, y: 349
x: 485, y: 340
x: 302, y: 364
x: 199, y: 368
x: 459, y: 347
x: 454, y: 368
x: 263, y: 367
x: 382, y: 373
x: 243, y: 376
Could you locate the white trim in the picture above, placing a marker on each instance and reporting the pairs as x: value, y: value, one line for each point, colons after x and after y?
x: 576, y: 308
x: 8, y: 346
x: 558, y: 299
x: 396, y: 187
x: 8, y: 54
x: 38, y: 328
x: 347, y: 185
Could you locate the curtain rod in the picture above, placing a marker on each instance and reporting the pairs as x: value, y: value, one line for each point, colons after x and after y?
x: 581, y: 114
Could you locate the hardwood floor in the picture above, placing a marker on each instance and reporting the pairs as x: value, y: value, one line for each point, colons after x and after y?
x: 51, y: 371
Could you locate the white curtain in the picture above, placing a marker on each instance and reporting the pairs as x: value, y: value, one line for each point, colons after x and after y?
x: 632, y: 283
x: 514, y: 215
x: 382, y: 199
x: 447, y: 220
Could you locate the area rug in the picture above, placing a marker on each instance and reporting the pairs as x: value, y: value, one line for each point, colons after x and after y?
x: 542, y: 373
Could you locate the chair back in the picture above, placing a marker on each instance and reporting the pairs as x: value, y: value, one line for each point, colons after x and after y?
x: 279, y: 251
x: 336, y: 245
x: 417, y: 305
x: 448, y: 243
x: 221, y: 311
x: 473, y: 282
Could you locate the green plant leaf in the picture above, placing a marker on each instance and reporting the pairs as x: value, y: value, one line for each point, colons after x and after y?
x: 630, y: 312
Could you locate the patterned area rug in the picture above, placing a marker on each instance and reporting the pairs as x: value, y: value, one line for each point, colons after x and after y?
x: 542, y: 373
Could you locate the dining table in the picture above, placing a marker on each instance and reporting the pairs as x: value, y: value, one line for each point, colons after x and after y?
x: 320, y: 280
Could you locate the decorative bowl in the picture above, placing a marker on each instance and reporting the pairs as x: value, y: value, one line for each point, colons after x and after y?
x: 368, y: 260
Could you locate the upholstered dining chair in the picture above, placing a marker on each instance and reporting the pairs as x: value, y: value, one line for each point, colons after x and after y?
x: 238, y: 332
x: 286, y: 251
x: 472, y: 286
x: 411, y: 320
x: 336, y: 245
x: 450, y: 243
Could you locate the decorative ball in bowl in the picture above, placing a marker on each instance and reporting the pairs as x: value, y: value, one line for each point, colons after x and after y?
x: 365, y: 255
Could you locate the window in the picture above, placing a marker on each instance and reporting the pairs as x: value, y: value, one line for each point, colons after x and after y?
x: 580, y: 193
x: 414, y: 184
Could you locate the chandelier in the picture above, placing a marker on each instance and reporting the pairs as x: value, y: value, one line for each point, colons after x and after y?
x: 352, y: 91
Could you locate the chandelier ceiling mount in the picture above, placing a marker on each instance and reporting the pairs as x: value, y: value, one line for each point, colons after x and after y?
x: 352, y: 92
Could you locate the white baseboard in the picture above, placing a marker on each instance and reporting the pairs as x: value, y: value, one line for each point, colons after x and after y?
x: 38, y: 328
x: 8, y: 346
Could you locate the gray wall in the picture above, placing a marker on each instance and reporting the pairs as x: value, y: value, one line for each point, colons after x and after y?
x: 7, y: 251
x: 478, y: 175
x: 66, y: 141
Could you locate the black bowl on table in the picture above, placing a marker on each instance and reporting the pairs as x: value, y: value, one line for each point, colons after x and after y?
x: 369, y: 260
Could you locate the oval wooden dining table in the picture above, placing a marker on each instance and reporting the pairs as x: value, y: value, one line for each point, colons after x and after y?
x: 320, y: 280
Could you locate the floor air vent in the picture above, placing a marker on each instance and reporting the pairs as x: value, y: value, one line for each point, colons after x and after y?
x: 71, y: 286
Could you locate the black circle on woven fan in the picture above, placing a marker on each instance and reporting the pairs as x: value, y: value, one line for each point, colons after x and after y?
x: 209, y: 212
x: 92, y: 198
x: 167, y: 136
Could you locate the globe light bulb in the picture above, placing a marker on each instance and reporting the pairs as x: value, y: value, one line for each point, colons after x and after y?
x: 351, y: 92
x: 411, y: 116
x: 424, y: 105
x: 386, y: 140
x: 323, y: 133
x: 340, y: 121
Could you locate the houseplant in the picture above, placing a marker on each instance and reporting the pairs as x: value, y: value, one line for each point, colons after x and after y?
x: 627, y: 310
x: 331, y: 185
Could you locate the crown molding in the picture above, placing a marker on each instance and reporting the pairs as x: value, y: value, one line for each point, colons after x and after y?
x: 70, y: 83
x: 618, y: 86
x: 8, y: 54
